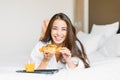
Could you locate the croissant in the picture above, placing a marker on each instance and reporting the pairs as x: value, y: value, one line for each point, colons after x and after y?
x: 50, y: 48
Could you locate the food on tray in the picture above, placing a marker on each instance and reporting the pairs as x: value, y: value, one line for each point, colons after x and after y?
x: 50, y: 48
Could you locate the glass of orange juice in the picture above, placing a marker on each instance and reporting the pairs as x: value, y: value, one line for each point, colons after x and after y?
x: 29, y: 67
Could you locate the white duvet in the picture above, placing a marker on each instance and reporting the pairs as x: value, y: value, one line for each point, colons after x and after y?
x: 104, y: 70
x: 104, y: 61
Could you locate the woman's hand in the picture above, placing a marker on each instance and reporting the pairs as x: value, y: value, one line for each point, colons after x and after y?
x: 66, y: 53
x: 48, y: 55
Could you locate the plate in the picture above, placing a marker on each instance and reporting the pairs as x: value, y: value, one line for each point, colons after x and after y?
x: 42, y: 71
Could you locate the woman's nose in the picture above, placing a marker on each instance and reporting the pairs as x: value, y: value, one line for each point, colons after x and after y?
x: 59, y: 32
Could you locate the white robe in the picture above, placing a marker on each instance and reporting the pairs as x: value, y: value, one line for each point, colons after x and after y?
x: 37, y: 56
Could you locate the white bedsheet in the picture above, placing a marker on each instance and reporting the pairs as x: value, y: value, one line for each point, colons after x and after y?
x: 108, y: 69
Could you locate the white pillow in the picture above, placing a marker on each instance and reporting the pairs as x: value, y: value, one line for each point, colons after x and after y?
x: 89, y: 41
x: 107, y: 30
x: 112, y: 46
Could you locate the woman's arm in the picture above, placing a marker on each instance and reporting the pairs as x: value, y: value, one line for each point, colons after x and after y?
x: 71, y: 64
x: 46, y: 59
x: 43, y: 64
x: 67, y: 56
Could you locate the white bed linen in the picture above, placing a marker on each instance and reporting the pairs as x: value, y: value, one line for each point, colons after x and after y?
x: 107, y: 71
x: 104, y: 70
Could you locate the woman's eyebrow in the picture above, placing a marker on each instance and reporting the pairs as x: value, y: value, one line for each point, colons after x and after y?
x: 54, y: 26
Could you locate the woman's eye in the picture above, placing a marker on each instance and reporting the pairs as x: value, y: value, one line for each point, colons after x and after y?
x: 64, y: 29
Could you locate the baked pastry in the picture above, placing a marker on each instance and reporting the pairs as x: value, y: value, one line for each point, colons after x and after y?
x: 50, y: 48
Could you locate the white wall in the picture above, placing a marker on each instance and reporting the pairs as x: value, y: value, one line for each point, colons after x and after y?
x: 20, y: 26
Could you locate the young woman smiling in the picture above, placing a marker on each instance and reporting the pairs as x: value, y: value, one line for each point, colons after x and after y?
x: 60, y: 32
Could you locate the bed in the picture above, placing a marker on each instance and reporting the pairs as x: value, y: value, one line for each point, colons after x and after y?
x: 103, y: 49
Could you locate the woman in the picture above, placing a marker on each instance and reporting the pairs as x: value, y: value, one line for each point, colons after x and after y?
x: 60, y: 32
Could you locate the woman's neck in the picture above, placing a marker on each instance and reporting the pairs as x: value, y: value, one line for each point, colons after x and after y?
x: 57, y: 44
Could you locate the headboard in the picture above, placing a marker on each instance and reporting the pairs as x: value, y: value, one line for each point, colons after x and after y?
x: 103, y: 12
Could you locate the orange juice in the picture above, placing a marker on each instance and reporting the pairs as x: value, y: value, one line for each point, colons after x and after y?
x: 29, y: 67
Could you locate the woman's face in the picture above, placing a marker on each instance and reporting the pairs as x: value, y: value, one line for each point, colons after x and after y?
x: 59, y: 31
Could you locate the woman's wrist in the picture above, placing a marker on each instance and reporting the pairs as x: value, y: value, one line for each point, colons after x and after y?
x: 45, y: 60
x: 71, y: 64
x: 68, y: 61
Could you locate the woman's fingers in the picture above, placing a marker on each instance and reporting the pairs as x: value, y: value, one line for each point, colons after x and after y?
x: 66, y: 51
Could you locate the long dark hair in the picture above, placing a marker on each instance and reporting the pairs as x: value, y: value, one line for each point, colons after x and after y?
x: 70, y: 41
